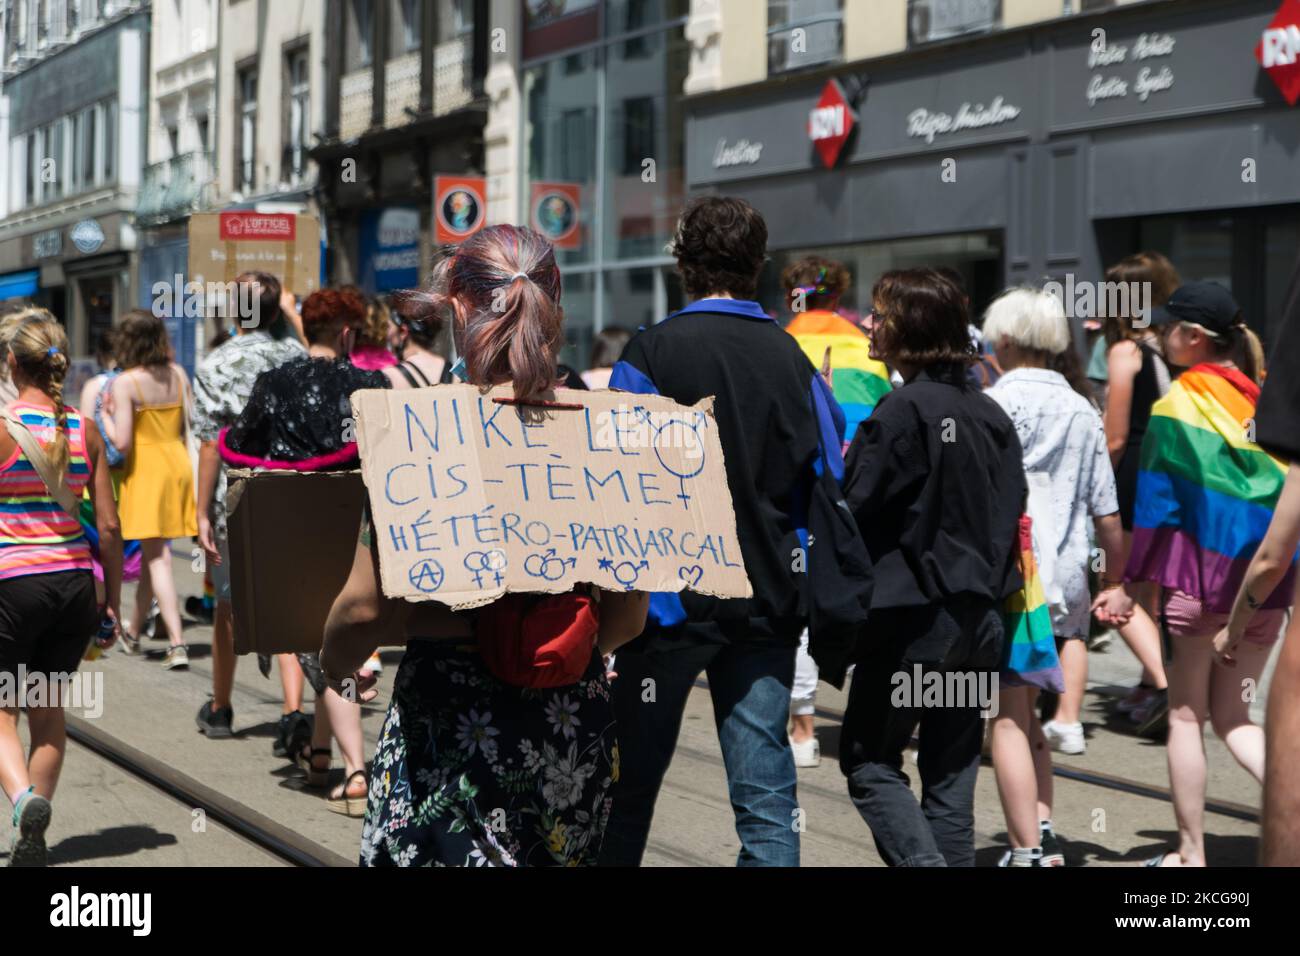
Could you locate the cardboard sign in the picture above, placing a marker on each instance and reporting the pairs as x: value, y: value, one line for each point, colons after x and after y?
x: 222, y: 245
x: 459, y: 207
x: 471, y: 500
x: 292, y: 540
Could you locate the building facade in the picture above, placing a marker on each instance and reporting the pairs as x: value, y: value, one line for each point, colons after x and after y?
x: 404, y: 103
x: 585, y: 142
x: 1014, y: 141
x: 180, y: 175
x: 72, y: 131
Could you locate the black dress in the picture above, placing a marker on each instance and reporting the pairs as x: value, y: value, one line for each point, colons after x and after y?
x: 1151, y: 383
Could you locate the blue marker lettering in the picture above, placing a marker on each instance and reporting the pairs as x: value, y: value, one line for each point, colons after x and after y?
x: 608, y: 478
x: 646, y: 489
x: 591, y: 442
x: 523, y: 475
x: 491, y: 422
x: 388, y: 486
x: 412, y: 417
x: 552, y: 485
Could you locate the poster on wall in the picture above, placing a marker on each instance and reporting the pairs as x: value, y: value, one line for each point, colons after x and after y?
x: 459, y: 207
x: 390, y: 249
x: 222, y: 245
x: 556, y: 213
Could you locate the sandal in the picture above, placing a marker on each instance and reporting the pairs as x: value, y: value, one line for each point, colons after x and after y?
x: 306, y: 761
x: 1160, y: 860
x: 339, y: 800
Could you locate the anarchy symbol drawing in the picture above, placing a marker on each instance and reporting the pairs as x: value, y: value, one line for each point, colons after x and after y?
x: 625, y: 572
x: 426, y: 576
x: 547, y: 566
x: 480, y: 563
x: 667, y: 439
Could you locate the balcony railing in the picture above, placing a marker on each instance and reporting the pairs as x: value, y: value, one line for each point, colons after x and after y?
x: 176, y: 187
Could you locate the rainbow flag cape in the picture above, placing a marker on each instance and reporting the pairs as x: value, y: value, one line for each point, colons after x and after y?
x: 1029, y: 647
x: 858, y: 381
x: 1206, y: 492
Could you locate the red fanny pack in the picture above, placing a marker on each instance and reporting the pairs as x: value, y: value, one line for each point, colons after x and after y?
x: 527, y: 641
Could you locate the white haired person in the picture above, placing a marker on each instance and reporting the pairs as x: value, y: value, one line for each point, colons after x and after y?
x: 1070, y: 482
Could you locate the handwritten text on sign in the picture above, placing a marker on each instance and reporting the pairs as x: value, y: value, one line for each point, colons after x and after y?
x: 470, y: 499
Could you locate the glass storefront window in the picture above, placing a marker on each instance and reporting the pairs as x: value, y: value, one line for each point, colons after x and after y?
x: 608, y: 120
x: 560, y: 136
x: 977, y: 256
x: 579, y: 302
x: 645, y: 146
x: 1281, y: 254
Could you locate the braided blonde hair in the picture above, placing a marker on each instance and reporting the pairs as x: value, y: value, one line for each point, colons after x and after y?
x: 39, y: 345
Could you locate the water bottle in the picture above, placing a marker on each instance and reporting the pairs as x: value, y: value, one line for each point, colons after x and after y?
x: 104, y: 637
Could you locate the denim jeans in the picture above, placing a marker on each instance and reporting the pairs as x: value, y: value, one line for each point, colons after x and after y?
x: 750, y: 686
x: 963, y: 637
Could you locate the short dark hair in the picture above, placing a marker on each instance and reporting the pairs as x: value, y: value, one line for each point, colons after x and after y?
x: 142, y: 340
x: 920, y: 320
x: 822, y: 281
x: 413, y: 312
x: 266, y: 289
x: 720, y: 246
x: 608, y: 347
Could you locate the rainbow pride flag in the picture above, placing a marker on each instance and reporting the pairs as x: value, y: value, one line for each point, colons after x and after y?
x: 1206, y: 493
x: 1029, y: 648
x: 857, y: 380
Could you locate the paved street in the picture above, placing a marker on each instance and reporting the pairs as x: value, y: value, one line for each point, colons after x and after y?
x: 105, y: 816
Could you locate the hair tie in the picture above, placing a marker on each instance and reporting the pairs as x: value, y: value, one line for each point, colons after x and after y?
x: 52, y: 351
x: 519, y: 275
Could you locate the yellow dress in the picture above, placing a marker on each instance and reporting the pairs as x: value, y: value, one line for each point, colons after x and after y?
x: 157, y: 496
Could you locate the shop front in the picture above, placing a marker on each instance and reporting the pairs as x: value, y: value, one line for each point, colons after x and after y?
x: 1032, y: 154
x: 82, y: 270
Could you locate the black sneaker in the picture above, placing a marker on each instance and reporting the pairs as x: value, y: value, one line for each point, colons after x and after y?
x: 1152, y: 717
x: 215, y: 722
x: 198, y: 609
x: 292, y: 734
x: 1053, y: 854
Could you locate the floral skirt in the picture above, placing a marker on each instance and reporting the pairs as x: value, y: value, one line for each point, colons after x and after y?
x: 472, y: 772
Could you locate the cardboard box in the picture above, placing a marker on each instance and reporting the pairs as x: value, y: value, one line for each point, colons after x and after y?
x: 224, y: 244
x: 472, y: 500
x: 292, y: 540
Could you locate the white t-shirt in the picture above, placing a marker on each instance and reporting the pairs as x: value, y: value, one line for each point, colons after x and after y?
x: 1063, y: 439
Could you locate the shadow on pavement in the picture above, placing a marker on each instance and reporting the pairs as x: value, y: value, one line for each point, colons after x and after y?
x: 113, y: 842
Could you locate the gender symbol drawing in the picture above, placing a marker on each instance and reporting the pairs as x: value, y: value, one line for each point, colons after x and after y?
x: 548, y: 566
x: 659, y: 444
x: 625, y: 572
x: 491, y: 562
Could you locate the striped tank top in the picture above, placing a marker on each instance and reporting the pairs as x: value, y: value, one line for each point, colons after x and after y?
x: 36, y: 535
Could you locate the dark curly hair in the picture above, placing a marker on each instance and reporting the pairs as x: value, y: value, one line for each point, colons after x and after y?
x: 327, y: 312
x: 920, y: 320
x: 822, y: 281
x: 720, y: 246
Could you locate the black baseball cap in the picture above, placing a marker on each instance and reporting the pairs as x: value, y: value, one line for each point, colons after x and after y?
x: 1206, y: 304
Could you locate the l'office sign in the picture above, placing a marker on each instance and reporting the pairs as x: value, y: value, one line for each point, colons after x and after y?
x: 471, y: 499
x: 1278, y: 51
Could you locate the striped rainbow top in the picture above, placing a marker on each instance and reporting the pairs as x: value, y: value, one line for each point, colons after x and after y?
x: 36, y: 535
x: 858, y: 381
x: 1206, y: 492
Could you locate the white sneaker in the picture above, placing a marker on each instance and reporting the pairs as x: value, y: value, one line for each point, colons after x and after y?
x: 177, y: 658
x: 808, y: 753
x: 1066, y: 738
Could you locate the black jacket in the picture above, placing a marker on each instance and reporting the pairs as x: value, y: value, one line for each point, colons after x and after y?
x: 936, y: 480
